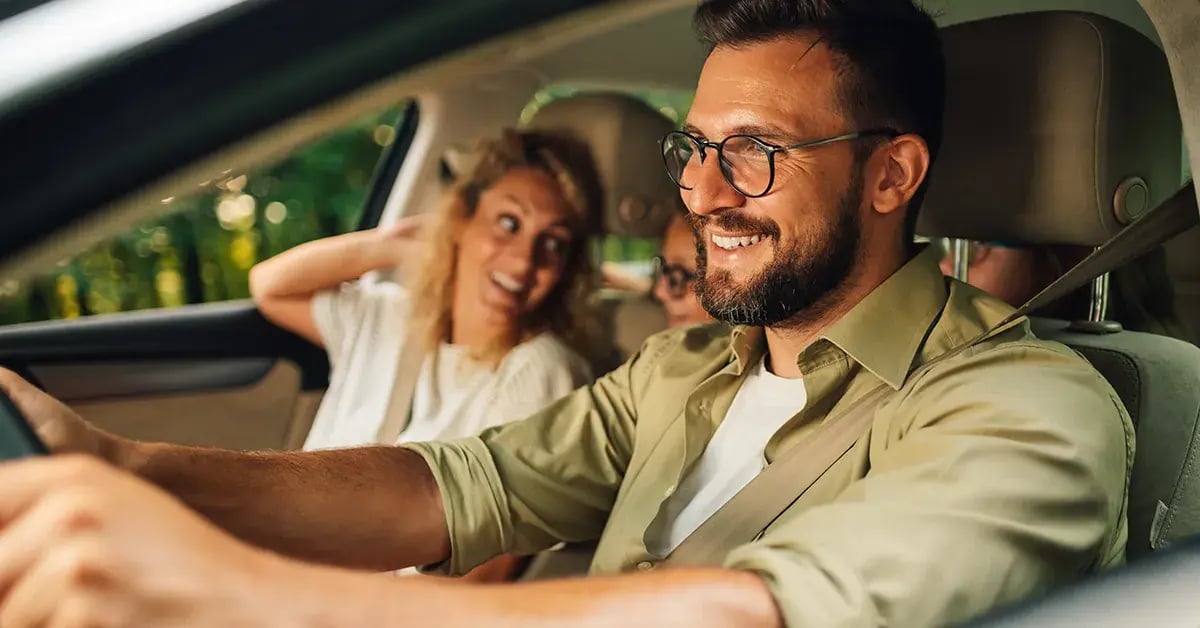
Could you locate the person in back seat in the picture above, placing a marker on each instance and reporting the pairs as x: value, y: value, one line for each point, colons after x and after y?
x: 1141, y: 297
x: 502, y: 270
x: 982, y: 473
x: 675, y: 276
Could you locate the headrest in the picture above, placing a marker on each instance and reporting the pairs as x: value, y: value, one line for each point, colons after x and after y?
x: 624, y: 134
x: 1060, y: 128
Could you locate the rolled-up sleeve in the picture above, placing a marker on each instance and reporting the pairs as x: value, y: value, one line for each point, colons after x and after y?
x: 523, y: 487
x: 1006, y: 474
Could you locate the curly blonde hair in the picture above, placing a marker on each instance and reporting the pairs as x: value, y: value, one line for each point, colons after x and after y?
x: 566, y: 311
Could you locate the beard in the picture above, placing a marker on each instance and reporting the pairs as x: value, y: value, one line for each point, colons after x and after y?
x: 796, y: 282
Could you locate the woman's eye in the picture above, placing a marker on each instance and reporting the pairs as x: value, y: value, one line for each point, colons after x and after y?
x: 508, y: 223
x: 555, y: 246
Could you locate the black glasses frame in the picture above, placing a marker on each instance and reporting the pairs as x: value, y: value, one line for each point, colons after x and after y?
x: 768, y: 148
x: 677, y: 277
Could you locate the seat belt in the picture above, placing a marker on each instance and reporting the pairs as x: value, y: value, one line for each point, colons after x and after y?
x: 749, y: 512
x: 399, y: 408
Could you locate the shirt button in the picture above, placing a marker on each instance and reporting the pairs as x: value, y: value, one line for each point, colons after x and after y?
x: 645, y: 565
x: 669, y: 492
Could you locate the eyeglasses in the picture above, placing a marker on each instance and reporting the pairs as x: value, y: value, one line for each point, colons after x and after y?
x: 746, y: 162
x: 677, y: 278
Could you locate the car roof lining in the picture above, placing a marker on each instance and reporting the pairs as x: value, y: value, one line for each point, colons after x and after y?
x: 541, y: 50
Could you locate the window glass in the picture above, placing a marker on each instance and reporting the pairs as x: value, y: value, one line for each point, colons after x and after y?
x: 202, y: 250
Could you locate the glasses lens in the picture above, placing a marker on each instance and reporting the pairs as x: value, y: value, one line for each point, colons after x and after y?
x: 677, y: 282
x: 678, y: 153
x: 747, y: 165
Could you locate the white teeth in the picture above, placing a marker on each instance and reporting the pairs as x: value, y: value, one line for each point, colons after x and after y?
x: 729, y: 244
x: 508, y: 283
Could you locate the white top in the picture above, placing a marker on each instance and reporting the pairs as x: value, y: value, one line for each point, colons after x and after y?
x: 736, y: 453
x: 364, y: 328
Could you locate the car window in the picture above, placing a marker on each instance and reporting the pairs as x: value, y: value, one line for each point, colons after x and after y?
x: 632, y: 255
x: 202, y: 250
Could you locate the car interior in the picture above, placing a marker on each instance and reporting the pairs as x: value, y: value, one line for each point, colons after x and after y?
x: 639, y: 200
x: 1063, y: 126
x: 1054, y: 93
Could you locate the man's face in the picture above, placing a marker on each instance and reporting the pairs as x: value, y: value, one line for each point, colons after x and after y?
x: 769, y: 260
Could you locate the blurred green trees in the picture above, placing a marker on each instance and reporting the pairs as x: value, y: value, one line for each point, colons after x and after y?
x: 203, y: 250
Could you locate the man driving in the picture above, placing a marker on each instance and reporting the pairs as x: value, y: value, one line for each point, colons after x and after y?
x: 985, y: 477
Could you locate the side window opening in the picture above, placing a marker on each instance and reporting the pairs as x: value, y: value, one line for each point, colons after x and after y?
x: 202, y: 250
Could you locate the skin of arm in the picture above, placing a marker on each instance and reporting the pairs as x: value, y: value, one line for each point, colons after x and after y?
x: 318, y: 506
x: 321, y: 506
x: 684, y: 598
x: 283, y: 286
x: 83, y: 542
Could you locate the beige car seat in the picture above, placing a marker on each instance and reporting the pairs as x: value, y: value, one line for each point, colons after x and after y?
x: 1061, y: 128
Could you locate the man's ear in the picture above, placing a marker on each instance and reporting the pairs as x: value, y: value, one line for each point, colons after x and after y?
x: 905, y: 164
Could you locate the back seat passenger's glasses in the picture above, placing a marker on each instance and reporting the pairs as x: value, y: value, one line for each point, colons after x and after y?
x: 747, y: 163
x: 677, y: 278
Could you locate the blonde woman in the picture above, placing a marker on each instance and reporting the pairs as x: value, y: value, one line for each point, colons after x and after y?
x: 494, y: 311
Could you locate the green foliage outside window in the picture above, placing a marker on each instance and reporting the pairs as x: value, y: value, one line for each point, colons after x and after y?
x: 203, y: 250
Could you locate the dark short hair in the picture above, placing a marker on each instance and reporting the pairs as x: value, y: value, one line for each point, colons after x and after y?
x: 892, y: 69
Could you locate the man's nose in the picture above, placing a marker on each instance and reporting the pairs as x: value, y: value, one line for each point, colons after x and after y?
x: 710, y: 191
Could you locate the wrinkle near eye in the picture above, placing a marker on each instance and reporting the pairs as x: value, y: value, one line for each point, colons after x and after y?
x: 794, y: 163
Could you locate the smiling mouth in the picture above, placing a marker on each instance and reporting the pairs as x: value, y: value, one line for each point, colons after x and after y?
x: 507, y: 283
x: 732, y: 243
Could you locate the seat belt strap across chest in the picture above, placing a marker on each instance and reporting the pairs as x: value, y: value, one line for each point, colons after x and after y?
x: 777, y: 487
x: 399, y: 406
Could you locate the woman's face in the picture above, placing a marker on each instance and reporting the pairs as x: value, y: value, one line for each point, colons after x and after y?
x: 513, y: 250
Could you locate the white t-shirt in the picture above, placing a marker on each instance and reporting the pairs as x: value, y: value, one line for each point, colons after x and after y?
x: 364, y: 328
x: 736, y: 453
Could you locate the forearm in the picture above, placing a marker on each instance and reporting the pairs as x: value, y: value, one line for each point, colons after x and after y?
x: 688, y: 598
x: 370, y: 508
x: 306, y: 269
x: 503, y: 568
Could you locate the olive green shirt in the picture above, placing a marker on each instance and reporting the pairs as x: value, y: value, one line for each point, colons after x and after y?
x: 998, y: 473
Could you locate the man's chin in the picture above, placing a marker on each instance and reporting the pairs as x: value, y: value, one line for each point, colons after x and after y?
x: 732, y: 278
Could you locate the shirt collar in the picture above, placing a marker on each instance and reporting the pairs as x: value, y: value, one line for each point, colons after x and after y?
x: 884, y: 331
x: 748, y: 345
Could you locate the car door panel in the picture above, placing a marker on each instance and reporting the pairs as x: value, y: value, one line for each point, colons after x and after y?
x: 214, y: 375
x: 255, y: 416
x: 85, y: 382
